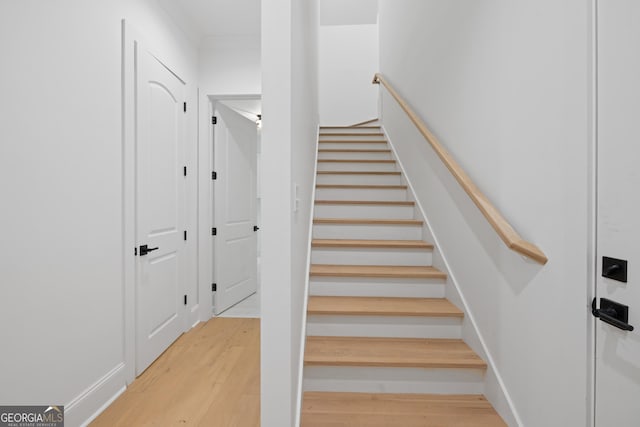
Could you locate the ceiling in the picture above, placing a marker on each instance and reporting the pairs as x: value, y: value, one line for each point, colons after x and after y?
x: 348, y: 12
x: 206, y: 18
x: 250, y: 108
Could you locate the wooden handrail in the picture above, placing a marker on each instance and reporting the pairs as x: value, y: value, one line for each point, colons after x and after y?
x: 508, y: 235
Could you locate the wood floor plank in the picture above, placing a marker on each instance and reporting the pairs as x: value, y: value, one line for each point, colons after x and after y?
x: 366, y: 243
x: 391, y: 352
x: 209, y: 376
x: 388, y: 271
x: 322, y: 409
x: 382, y: 306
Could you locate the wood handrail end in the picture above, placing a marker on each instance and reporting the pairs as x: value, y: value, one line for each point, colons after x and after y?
x: 529, y: 250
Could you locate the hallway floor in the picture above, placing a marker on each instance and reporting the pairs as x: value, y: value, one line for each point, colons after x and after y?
x: 248, y: 307
x: 209, y: 377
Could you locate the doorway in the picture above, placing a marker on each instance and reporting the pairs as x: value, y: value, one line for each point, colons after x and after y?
x: 235, y: 135
x: 617, y: 303
x: 154, y: 203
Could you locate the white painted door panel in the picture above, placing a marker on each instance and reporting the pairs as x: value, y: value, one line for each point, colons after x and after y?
x: 618, y: 351
x: 235, y: 143
x: 159, y: 207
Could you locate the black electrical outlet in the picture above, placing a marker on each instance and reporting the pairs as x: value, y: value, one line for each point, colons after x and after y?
x: 615, y: 269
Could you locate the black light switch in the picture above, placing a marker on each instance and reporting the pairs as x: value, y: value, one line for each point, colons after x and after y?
x: 615, y: 269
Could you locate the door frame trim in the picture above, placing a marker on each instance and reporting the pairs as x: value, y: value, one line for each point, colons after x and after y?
x: 592, y: 202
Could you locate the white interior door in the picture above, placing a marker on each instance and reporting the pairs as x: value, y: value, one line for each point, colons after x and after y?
x: 160, y: 206
x: 235, y: 244
x: 617, y: 350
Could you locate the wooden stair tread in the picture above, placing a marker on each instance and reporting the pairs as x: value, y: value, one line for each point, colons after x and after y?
x: 352, y: 150
x: 366, y: 202
x: 351, y: 134
x: 349, y: 127
x: 385, y: 271
x: 362, y: 186
x: 322, y: 409
x: 354, y: 141
x: 382, y: 306
x: 359, y: 173
x: 391, y: 352
x: 368, y: 243
x: 366, y: 221
x: 355, y: 161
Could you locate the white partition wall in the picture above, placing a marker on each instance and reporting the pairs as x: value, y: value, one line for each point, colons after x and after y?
x: 347, y: 63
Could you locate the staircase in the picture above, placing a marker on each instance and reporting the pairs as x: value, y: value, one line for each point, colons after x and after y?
x: 384, y: 345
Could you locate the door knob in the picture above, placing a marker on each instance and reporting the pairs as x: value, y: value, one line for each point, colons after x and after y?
x: 144, y: 249
x: 613, y: 313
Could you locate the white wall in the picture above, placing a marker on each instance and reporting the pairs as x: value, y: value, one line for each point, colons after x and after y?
x: 304, y: 133
x: 61, y: 311
x: 230, y: 65
x: 352, y: 12
x: 504, y: 85
x: 289, y: 101
x: 348, y: 61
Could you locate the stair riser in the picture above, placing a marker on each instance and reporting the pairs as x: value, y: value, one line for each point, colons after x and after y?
x: 356, y: 167
x: 370, y: 256
x: 383, y: 326
x: 359, y: 179
x: 363, y: 211
x: 393, y: 380
x: 361, y: 136
x: 376, y: 287
x: 360, y: 194
x: 354, y: 156
x: 365, y: 231
x: 354, y: 145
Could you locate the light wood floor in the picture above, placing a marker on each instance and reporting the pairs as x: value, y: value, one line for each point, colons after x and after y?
x: 209, y: 377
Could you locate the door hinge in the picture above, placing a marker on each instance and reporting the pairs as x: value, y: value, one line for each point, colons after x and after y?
x: 135, y: 251
x: 184, y: 170
x: 184, y: 107
x: 214, y: 175
x: 185, y: 234
x: 214, y: 231
x: 185, y: 300
x: 256, y: 228
x: 214, y: 287
x: 214, y: 120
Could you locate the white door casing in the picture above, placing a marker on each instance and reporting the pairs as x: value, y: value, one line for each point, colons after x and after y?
x: 160, y: 207
x: 617, y: 364
x: 235, y: 214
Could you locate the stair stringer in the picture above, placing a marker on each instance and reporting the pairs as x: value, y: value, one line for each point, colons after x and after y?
x: 303, y: 332
x: 495, y: 389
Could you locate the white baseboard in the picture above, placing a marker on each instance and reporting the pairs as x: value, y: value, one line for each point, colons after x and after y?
x: 85, y: 407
